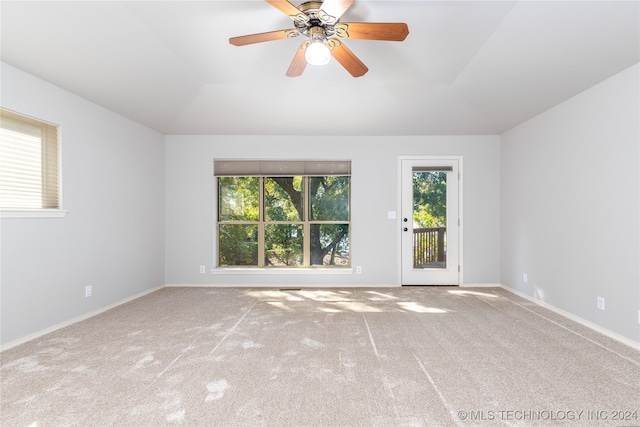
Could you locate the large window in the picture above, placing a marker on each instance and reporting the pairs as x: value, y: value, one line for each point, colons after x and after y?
x: 283, y: 213
x: 28, y: 164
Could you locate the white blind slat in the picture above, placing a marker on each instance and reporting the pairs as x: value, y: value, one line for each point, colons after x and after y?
x: 433, y: 169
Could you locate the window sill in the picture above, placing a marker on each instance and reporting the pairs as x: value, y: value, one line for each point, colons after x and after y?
x: 32, y: 213
x: 270, y: 271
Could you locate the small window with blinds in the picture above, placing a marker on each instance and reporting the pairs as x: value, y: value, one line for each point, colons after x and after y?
x: 28, y: 165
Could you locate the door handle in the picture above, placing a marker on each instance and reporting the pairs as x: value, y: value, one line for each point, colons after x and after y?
x: 405, y: 229
x: 405, y: 220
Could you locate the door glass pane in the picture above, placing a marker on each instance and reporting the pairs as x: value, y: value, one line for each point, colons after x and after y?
x: 238, y: 244
x: 429, y: 219
x: 283, y: 245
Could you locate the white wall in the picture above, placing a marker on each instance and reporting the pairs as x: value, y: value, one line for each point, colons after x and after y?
x: 113, y: 235
x: 190, y: 200
x: 569, y: 205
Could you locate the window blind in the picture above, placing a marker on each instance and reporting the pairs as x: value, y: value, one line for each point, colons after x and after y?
x: 432, y: 169
x: 28, y: 163
x: 226, y: 167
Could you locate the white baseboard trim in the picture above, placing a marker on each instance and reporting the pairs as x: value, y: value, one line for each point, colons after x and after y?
x: 303, y: 286
x: 481, y: 285
x: 624, y: 340
x: 273, y: 286
x: 77, y: 319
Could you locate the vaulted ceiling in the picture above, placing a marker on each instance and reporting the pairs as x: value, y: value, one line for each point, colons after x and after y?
x: 467, y: 67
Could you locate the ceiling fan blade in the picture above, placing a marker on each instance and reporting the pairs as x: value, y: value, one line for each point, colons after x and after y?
x: 299, y: 62
x: 285, y: 7
x: 336, y: 8
x: 349, y: 60
x: 260, y: 37
x: 393, y: 31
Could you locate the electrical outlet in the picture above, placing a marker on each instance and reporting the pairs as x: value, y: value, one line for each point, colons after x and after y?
x: 203, y: 269
x: 88, y: 291
x: 391, y: 214
x: 600, y: 303
x: 358, y: 270
x: 525, y: 278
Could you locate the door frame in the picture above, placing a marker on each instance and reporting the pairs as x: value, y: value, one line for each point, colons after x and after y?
x: 460, y: 211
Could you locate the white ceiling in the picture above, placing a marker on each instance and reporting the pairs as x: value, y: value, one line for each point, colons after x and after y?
x: 467, y: 67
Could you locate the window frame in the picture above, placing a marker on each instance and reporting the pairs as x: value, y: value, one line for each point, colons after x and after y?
x: 262, y: 222
x: 43, y: 212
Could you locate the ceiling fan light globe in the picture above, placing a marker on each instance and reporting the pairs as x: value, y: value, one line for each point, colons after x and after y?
x: 317, y: 54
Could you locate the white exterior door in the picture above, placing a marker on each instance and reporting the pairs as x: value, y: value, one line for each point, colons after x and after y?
x: 430, y: 221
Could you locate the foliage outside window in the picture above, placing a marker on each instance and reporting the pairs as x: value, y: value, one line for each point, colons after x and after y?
x: 28, y: 163
x: 429, y: 199
x: 283, y: 221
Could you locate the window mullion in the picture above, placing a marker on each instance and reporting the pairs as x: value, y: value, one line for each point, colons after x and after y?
x: 306, y: 229
x: 261, y: 220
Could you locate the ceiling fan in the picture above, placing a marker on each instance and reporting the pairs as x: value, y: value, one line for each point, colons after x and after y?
x: 320, y: 22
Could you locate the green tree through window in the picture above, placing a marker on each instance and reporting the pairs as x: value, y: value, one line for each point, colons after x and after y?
x: 429, y: 199
x: 293, y: 221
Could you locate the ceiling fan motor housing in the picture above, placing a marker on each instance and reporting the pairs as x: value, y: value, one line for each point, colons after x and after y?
x: 313, y: 16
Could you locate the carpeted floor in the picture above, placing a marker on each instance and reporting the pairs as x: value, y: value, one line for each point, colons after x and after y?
x: 418, y: 356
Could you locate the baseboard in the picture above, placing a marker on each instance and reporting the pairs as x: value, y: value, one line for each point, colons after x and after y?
x: 77, y: 319
x: 620, y: 338
x: 481, y: 285
x: 350, y: 285
x: 272, y: 286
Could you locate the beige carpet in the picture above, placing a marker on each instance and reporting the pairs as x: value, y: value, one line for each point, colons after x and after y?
x: 334, y: 357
